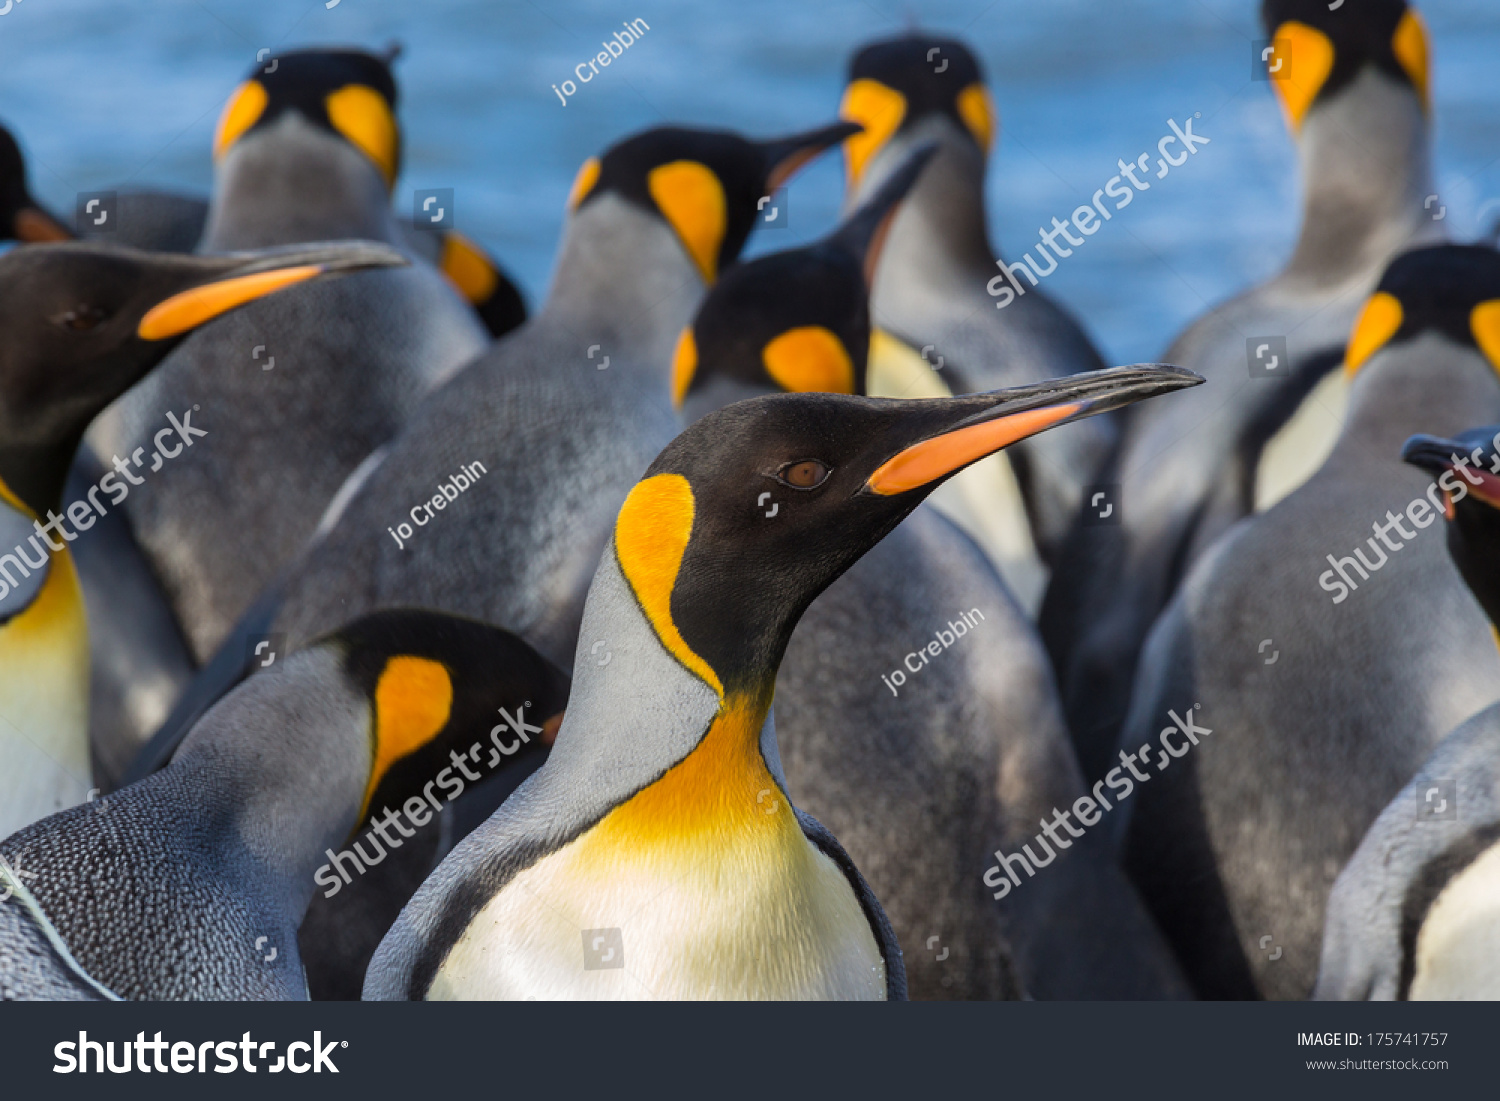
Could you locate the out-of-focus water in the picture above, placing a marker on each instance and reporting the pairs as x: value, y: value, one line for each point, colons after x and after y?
x: 104, y: 94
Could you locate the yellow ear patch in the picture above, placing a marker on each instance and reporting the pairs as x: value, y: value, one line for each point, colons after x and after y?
x: 468, y: 268
x: 692, y: 200
x: 1377, y: 323
x: 879, y: 109
x: 1305, y: 55
x: 684, y: 365
x: 242, y: 111
x: 651, y: 536
x: 978, y: 112
x: 1484, y: 323
x: 809, y: 359
x: 583, y: 183
x: 362, y: 116
x: 413, y: 700
x: 1409, y: 44
x: 191, y: 308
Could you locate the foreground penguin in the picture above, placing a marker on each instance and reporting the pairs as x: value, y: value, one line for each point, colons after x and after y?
x: 294, y: 393
x: 80, y: 324
x: 965, y: 750
x: 1353, y: 83
x: 191, y: 884
x: 1327, y: 644
x: 932, y: 301
x: 657, y: 854
x: 1414, y: 913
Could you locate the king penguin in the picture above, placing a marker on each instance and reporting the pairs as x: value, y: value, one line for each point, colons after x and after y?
x: 82, y: 323
x: 294, y: 393
x: 540, y: 439
x: 1327, y: 644
x: 22, y: 218
x: 657, y: 853
x: 939, y: 286
x: 1353, y: 85
x: 191, y: 883
x: 970, y: 751
x: 1415, y: 914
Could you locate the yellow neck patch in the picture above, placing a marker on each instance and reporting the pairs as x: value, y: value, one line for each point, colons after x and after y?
x: 1377, y: 323
x: 692, y: 200
x: 242, y: 111
x: 719, y: 790
x: 809, y: 359
x: 583, y: 183
x: 879, y: 109
x: 978, y: 112
x: 684, y: 365
x: 1305, y: 57
x: 1484, y: 322
x: 362, y: 116
x: 1409, y: 44
x: 413, y: 700
x: 468, y: 268
x: 651, y: 536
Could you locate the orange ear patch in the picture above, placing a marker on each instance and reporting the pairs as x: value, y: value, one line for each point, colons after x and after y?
x: 363, y: 117
x: 1484, y: 322
x: 1409, y: 44
x: 691, y: 199
x: 809, y: 359
x: 413, y: 700
x: 583, y: 183
x: 468, y: 268
x: 1377, y: 323
x: 684, y: 365
x: 242, y: 111
x: 978, y: 112
x: 879, y: 109
x: 1301, y: 60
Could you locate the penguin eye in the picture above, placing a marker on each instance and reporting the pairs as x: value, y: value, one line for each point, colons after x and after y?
x: 807, y: 474
x: 81, y: 319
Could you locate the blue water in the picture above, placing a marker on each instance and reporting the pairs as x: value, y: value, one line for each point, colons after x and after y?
x: 104, y: 93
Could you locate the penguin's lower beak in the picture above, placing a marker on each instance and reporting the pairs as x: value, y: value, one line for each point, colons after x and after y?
x: 862, y: 234
x: 219, y: 284
x: 784, y: 156
x: 34, y: 226
x: 1431, y: 453
x: 981, y: 424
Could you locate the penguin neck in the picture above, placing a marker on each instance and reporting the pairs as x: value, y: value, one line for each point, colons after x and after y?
x: 294, y: 182
x: 285, y: 761
x: 939, y: 239
x: 1366, y: 175
x: 1425, y: 385
x: 625, y: 282
x: 35, y: 475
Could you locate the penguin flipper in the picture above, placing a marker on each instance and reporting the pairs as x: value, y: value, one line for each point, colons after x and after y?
x: 230, y: 664
x: 885, y: 936
x: 139, y: 658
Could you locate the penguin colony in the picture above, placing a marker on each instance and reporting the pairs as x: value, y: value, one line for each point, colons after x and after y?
x: 531, y: 751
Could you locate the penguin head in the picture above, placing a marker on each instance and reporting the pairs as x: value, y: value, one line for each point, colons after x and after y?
x: 1451, y: 289
x: 22, y: 217
x: 1320, y: 52
x: 796, y: 321
x: 911, y: 88
x: 82, y: 322
x: 1467, y: 469
x: 757, y: 508
x: 348, y: 93
x: 434, y: 684
x: 706, y: 184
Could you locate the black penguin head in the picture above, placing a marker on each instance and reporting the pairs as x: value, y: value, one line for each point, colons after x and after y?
x: 22, y: 217
x: 474, y: 272
x: 1453, y: 289
x: 437, y: 683
x: 349, y: 93
x: 706, y: 184
x: 1467, y: 470
x: 799, y: 320
x: 898, y: 82
x: 1315, y: 52
x: 80, y: 323
x: 754, y: 510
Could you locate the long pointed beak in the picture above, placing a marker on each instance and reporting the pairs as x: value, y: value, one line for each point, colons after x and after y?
x: 784, y: 156
x: 1431, y: 453
x: 981, y: 424
x: 231, y: 281
x: 863, y: 233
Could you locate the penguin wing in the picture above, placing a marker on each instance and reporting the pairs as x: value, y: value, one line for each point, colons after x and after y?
x: 885, y: 936
x: 19, y: 581
x: 33, y: 967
